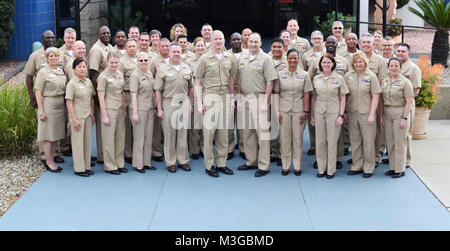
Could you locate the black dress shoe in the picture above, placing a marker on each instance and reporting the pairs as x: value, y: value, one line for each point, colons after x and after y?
x: 201, y: 155
x: 123, y: 170
x: 320, y: 175
x: 330, y: 176
x: 350, y: 161
x: 92, y: 164
x: 260, y: 173
x: 225, y: 170
x: 338, y: 164
x: 315, y: 165
x: 242, y: 155
x: 100, y: 162
x: 346, y: 151
x: 172, y: 169
x: 67, y: 153
x: 114, y: 172
x: 408, y: 166
x: 157, y: 158
x: 389, y: 173
x: 58, y: 159
x: 367, y: 175
x: 93, y: 158
x: 57, y: 170
x: 245, y: 168
x: 230, y: 155
x: 354, y: 172
x: 90, y: 172
x: 398, y: 175
x: 212, y: 172
x: 140, y: 170
x: 284, y: 172
x: 129, y: 160
x: 195, y: 156
x: 385, y: 161
x: 311, y: 152
x: 150, y: 168
x: 82, y: 174
x: 274, y: 159
x: 298, y: 173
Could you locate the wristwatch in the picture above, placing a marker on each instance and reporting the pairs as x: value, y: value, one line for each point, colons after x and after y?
x: 341, y: 115
x: 405, y: 118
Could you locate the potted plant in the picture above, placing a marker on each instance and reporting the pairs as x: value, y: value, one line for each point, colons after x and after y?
x: 395, y: 31
x: 427, y: 96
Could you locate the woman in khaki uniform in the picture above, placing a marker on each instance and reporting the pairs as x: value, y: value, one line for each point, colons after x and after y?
x: 361, y: 108
x: 50, y: 87
x: 143, y: 112
x: 113, y: 110
x: 328, y: 106
x: 395, y: 107
x: 292, y: 108
x: 80, y: 105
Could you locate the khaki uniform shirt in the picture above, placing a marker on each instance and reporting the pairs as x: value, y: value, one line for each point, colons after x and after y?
x: 121, y: 52
x: 361, y: 90
x: 309, y: 57
x: 396, y: 92
x: 349, y: 56
x: 342, y: 66
x: 127, y: 65
x: 188, y: 57
x: 112, y: 85
x: 173, y: 83
x: 97, y: 56
x: 254, y: 74
x: 142, y: 84
x: 52, y: 82
x: 149, y: 53
x: 36, y: 62
x: 156, y: 63
x: 81, y: 93
x: 342, y: 48
x: 412, y: 72
x: 377, y: 65
x: 68, y: 70
x: 291, y: 87
x: 328, y: 91
x: 216, y: 72
x: 301, y: 45
x: 64, y: 56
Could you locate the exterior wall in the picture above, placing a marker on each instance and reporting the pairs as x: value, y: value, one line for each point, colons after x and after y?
x: 92, y: 17
x: 408, y: 17
x: 32, y: 18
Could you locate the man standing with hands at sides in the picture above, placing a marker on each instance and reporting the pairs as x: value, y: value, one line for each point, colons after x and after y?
x: 214, y: 85
x: 351, y: 42
x: 378, y: 66
x: 173, y: 99
x: 245, y: 35
x: 161, y: 58
x: 97, y: 63
x: 236, y: 50
x: 256, y: 76
x: 300, y: 44
x: 206, y: 34
x: 133, y: 33
x: 155, y: 36
x: 338, y: 32
x: 412, y: 72
x: 120, y: 39
x: 127, y: 65
x: 36, y: 62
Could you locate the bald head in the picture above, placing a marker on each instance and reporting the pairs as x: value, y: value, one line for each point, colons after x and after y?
x: 104, y: 34
x: 48, y: 39
x: 79, y: 49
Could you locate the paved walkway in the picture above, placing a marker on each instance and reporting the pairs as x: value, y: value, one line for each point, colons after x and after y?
x: 159, y: 200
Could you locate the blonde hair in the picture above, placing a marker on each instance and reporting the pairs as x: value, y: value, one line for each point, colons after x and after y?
x: 172, y: 30
x: 50, y: 50
x: 142, y: 54
x: 361, y: 56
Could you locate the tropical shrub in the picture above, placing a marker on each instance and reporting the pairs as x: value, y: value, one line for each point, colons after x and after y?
x: 6, y: 24
x: 431, y: 81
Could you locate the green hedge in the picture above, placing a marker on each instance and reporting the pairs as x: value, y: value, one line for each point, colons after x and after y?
x: 6, y: 24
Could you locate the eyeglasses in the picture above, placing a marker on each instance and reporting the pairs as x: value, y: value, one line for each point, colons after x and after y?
x: 144, y: 40
x: 337, y: 28
x: 316, y: 38
x: 143, y: 60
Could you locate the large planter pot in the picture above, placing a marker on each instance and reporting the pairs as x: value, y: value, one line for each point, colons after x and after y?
x: 420, y: 123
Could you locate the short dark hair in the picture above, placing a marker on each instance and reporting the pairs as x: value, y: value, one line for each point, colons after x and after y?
x: 404, y: 44
x: 78, y: 61
x: 293, y: 51
x: 117, y: 32
x: 395, y: 59
x: 277, y: 40
x: 144, y: 34
x: 181, y: 36
x: 329, y: 56
x: 155, y: 32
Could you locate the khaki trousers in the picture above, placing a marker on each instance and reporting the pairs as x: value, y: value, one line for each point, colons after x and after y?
x: 143, y: 134
x: 239, y: 129
x: 362, y: 140
x: 174, y: 126
x: 396, y: 138
x: 291, y: 136
x: 327, y: 136
x: 275, y: 145
x: 346, y: 131
x: 194, y: 143
x: 410, y: 132
x: 157, y: 137
x: 340, y: 145
x: 81, y: 148
x: 113, y: 140
x: 98, y: 131
x: 257, y: 133
x: 128, y: 128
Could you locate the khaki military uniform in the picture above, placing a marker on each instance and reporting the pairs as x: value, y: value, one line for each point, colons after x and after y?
x: 81, y: 93
x: 121, y: 52
x: 65, y: 55
x: 188, y: 57
x: 194, y: 144
x: 215, y: 74
x: 254, y: 74
x: 395, y: 93
x: 52, y: 83
x: 174, y: 87
x: 301, y: 45
x: 127, y: 66
x: 97, y: 61
x: 291, y: 87
x: 158, y: 136
x: 113, y: 135
x: 142, y: 84
x: 328, y: 91
x: 349, y: 56
x: 309, y: 57
x: 149, y: 53
x: 412, y: 72
x: 362, y: 135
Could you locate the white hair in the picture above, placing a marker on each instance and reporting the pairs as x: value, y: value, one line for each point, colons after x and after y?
x: 317, y: 32
x: 367, y: 35
x: 69, y: 30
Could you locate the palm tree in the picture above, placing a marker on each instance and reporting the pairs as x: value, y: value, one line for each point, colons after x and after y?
x: 436, y: 13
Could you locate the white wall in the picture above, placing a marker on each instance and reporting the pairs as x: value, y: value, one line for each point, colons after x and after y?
x: 364, y: 16
x: 408, y: 17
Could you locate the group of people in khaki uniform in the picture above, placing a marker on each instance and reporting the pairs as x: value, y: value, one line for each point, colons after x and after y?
x: 151, y: 98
